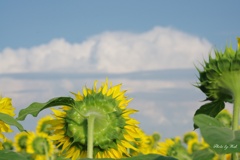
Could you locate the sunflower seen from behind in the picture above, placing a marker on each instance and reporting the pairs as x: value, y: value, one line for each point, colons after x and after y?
x: 20, y: 141
x: 101, y: 113
x: 43, y: 125
x: 39, y: 146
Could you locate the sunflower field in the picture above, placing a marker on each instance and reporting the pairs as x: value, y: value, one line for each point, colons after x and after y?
x: 96, y: 123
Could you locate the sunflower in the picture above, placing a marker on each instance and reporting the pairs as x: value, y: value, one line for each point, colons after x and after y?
x: 174, y: 148
x: 6, y: 108
x: 196, y: 145
x: 43, y: 125
x: 150, y: 144
x: 39, y: 145
x: 20, y: 141
x: 146, y: 144
x: 219, y: 80
x: 8, y: 144
x: 189, y: 136
x: 167, y: 147
x: 99, y: 122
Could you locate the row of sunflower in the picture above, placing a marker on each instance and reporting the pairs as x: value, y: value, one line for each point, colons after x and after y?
x: 50, y: 140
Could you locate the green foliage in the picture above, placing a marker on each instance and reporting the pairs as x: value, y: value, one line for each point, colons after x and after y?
x: 11, y: 121
x: 36, y: 107
x: 7, y: 155
x: 141, y: 157
x: 205, y: 154
x: 211, y: 109
x: 220, y: 138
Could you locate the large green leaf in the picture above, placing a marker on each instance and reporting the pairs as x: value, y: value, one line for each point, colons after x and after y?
x: 8, y: 155
x: 221, y: 139
x: 211, y: 109
x: 36, y: 107
x: 141, y: 157
x: 205, y: 154
x: 150, y: 157
x: 11, y: 121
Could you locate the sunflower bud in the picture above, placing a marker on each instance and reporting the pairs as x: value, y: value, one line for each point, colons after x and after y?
x: 221, y: 76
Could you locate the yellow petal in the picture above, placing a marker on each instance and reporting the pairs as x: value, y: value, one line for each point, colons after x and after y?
x: 85, y: 92
x: 128, y: 145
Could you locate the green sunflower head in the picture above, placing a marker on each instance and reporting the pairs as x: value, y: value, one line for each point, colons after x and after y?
x: 220, y: 77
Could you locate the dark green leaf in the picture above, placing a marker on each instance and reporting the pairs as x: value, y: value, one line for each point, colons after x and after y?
x: 11, y: 121
x: 36, y: 107
x: 211, y: 109
x: 221, y: 139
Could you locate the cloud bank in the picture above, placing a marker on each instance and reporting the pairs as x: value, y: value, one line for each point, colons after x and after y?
x: 110, y: 52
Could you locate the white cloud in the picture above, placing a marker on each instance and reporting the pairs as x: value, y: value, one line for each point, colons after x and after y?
x: 112, y: 52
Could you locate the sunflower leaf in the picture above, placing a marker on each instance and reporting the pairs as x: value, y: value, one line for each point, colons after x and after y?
x: 7, y: 154
x: 221, y: 139
x: 211, y: 109
x: 11, y: 121
x: 141, y: 157
x: 206, y: 154
x: 37, y: 107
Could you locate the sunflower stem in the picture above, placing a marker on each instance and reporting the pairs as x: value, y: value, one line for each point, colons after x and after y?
x: 46, y: 151
x: 235, y: 123
x: 90, y: 136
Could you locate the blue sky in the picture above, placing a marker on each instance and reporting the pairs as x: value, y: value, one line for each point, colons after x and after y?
x: 48, y: 48
x: 29, y: 23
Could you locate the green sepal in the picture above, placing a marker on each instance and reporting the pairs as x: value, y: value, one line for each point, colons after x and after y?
x: 224, y: 65
x: 221, y: 139
x: 35, y: 108
x: 11, y: 121
x: 212, y: 109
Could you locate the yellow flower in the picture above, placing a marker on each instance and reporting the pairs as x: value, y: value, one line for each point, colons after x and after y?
x: 20, y: 141
x: 195, y: 145
x: 114, y: 131
x: 166, y: 147
x: 6, y: 108
x: 39, y: 145
x: 148, y: 144
x: 8, y: 144
x: 44, y: 126
x: 189, y: 136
